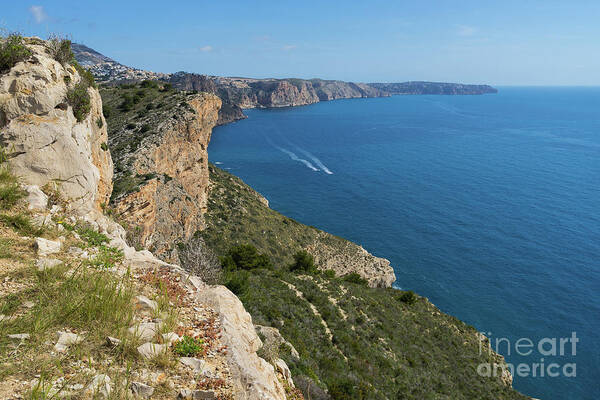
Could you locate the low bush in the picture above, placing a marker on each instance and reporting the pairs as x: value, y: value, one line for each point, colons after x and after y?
x: 12, y: 51
x: 237, y: 281
x: 188, y: 346
x: 355, y: 278
x: 60, y: 49
x: 197, y: 258
x: 245, y: 256
x: 21, y: 223
x: 303, y: 263
x: 79, y: 98
x: 408, y: 297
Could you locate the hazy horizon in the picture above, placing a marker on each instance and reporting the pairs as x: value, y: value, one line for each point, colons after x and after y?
x: 508, y: 44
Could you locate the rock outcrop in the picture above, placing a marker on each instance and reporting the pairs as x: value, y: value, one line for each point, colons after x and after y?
x: 45, y: 142
x: 167, y: 205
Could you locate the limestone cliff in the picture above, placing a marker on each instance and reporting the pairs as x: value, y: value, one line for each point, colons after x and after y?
x: 45, y: 141
x: 47, y: 144
x: 162, y: 169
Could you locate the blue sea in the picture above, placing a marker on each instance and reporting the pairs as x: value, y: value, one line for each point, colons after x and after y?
x: 487, y: 205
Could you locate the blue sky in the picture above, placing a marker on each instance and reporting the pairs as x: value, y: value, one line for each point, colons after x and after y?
x: 498, y: 42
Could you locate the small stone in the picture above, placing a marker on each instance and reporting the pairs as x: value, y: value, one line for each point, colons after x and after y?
x: 185, y: 394
x: 145, y: 304
x: 28, y: 304
x: 19, y: 336
x: 151, y: 350
x: 100, y: 385
x: 142, y: 390
x: 145, y: 331
x: 203, y: 395
x: 36, y: 198
x: 66, y: 339
x: 55, y: 209
x: 170, y: 337
x: 40, y: 221
x: 195, y: 363
x: 45, y: 263
x: 112, y: 341
x: 46, y: 247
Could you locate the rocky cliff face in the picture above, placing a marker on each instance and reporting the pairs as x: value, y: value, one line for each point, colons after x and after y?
x: 162, y: 167
x: 48, y: 145
x: 45, y: 142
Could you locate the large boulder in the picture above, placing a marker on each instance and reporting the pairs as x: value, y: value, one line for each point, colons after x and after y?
x: 45, y: 142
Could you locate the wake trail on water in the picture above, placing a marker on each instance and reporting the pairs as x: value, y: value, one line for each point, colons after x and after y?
x: 315, y: 160
x: 293, y: 156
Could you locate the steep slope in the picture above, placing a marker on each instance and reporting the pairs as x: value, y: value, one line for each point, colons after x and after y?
x: 159, y: 139
x: 84, y: 315
x: 43, y: 135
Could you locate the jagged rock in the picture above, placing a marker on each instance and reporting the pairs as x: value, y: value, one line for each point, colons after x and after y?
x: 40, y: 221
x: 36, y: 199
x: 19, y: 336
x: 112, y: 341
x: 170, y: 211
x: 44, y: 263
x: 66, y: 339
x: 145, y: 304
x: 170, y: 337
x: 253, y: 377
x: 203, y: 395
x: 151, y: 350
x: 283, y: 369
x: 146, y: 331
x: 274, y: 338
x: 195, y: 363
x: 47, y: 143
x: 141, y: 390
x: 100, y: 385
x: 46, y: 247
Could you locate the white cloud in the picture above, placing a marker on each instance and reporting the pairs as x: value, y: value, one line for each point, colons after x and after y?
x: 206, y: 49
x: 465, y: 30
x: 38, y: 14
x: 289, y: 47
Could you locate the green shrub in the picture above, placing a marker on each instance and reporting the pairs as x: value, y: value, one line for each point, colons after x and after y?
x: 329, y: 274
x: 12, y: 51
x: 245, y: 256
x: 107, y: 257
x: 104, y: 146
x: 408, y: 297
x: 99, y: 122
x: 60, y: 50
x: 79, y: 98
x: 106, y: 110
x: 86, y: 75
x: 91, y: 236
x: 149, y: 84
x: 145, y: 128
x: 355, y: 278
x: 303, y: 263
x: 237, y: 282
x: 188, y: 346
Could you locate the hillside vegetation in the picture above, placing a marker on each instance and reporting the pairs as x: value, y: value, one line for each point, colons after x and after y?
x: 354, y: 341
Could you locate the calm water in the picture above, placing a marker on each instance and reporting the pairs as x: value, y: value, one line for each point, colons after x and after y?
x: 487, y: 205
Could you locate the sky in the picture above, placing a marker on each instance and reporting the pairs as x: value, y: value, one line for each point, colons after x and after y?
x: 505, y: 42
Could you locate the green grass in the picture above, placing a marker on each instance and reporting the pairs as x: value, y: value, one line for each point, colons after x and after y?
x: 10, y: 191
x: 21, y: 223
x: 107, y: 257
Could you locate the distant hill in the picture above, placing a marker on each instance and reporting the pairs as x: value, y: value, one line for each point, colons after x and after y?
x: 419, y: 87
x: 240, y: 93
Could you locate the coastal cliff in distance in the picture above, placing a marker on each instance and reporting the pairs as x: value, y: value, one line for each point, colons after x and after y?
x: 419, y: 87
x: 240, y: 93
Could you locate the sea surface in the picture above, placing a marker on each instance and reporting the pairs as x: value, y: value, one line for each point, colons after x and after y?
x: 487, y: 205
